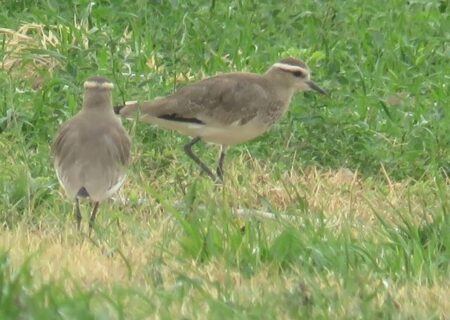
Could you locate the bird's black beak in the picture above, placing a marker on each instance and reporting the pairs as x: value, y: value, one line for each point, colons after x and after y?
x: 315, y: 87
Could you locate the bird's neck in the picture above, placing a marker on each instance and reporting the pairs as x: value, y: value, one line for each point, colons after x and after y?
x: 278, y: 83
x: 98, y: 102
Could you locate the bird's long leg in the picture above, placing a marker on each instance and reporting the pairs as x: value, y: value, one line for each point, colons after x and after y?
x: 219, y: 170
x: 188, y: 150
x: 93, y: 215
x: 77, y: 213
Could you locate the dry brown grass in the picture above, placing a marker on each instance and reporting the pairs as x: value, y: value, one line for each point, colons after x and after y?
x: 27, y: 51
x: 344, y: 197
x: 65, y: 257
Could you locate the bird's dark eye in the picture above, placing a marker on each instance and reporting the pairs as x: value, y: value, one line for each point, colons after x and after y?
x: 298, y: 74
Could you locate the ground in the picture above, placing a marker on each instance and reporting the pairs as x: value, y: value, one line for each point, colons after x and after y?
x: 340, y: 211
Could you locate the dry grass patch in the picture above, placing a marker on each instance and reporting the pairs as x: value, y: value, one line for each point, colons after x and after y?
x: 31, y: 50
x: 92, y: 259
x: 70, y: 257
x: 342, y: 196
x: 146, y: 251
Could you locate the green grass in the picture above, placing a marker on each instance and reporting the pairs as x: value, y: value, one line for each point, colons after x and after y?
x: 362, y: 174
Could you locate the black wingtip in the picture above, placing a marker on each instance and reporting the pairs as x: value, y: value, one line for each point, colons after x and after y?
x: 117, y: 109
x: 177, y: 118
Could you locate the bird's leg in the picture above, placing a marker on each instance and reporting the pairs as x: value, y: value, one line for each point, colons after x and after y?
x: 93, y: 215
x: 219, y: 170
x: 188, y: 150
x: 77, y: 213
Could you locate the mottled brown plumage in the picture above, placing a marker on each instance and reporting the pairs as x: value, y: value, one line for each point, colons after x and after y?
x: 92, y: 149
x: 227, y: 109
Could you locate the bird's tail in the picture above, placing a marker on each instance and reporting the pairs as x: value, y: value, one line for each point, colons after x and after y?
x: 127, y: 110
x: 117, y: 109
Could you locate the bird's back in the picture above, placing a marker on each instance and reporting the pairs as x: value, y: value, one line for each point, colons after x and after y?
x: 90, y: 155
x: 226, y: 109
x: 220, y: 100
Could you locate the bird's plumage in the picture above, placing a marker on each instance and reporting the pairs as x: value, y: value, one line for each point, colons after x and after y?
x: 226, y: 109
x: 92, y: 155
x: 213, y: 105
x: 92, y: 149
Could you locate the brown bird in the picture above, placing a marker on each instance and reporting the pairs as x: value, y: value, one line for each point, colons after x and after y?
x: 92, y: 149
x: 226, y: 109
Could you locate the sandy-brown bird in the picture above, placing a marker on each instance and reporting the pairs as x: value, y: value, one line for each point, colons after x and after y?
x: 92, y: 150
x: 226, y: 109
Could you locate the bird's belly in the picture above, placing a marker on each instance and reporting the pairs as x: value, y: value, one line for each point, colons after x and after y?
x: 233, y: 134
x: 216, y: 133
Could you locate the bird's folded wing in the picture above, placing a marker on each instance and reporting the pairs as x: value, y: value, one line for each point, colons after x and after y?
x: 217, y: 100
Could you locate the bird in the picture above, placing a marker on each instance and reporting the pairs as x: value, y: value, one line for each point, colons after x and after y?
x: 226, y: 109
x: 92, y: 150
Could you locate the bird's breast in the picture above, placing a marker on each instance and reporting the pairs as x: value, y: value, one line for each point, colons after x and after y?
x: 273, y: 112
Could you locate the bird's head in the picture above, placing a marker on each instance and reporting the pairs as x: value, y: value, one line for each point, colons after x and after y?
x: 98, y: 93
x: 294, y: 74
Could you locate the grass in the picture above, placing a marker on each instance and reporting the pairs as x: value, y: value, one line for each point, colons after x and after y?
x: 358, y: 181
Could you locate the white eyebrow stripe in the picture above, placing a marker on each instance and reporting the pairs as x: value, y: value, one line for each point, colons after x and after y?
x: 288, y: 67
x: 94, y: 84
